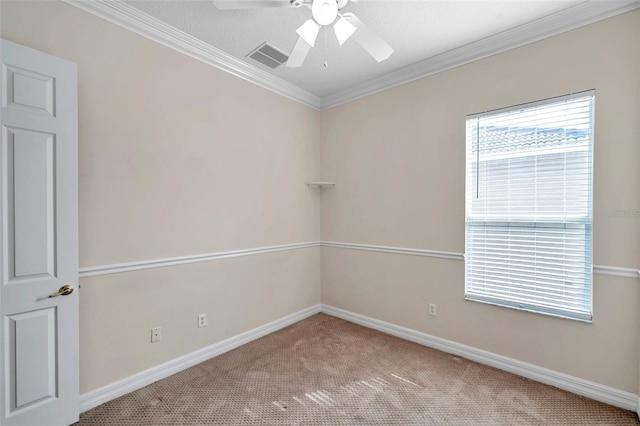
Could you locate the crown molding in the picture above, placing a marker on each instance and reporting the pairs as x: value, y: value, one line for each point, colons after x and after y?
x: 574, y: 17
x: 120, y: 13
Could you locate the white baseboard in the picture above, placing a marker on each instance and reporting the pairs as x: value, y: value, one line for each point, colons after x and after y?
x: 596, y: 391
x: 114, y: 390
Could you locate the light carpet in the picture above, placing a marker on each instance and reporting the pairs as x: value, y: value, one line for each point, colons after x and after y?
x: 327, y: 371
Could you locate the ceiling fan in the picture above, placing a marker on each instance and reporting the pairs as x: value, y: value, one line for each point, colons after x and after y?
x: 324, y: 13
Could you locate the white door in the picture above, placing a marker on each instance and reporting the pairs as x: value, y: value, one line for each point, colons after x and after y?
x: 39, y: 239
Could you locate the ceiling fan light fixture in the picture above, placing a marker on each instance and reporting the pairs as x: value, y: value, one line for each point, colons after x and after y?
x: 343, y: 29
x: 309, y: 32
x: 324, y: 11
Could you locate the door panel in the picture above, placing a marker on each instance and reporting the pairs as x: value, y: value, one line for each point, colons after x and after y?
x: 30, y: 91
x: 39, y: 242
x: 33, y: 181
x: 32, y: 349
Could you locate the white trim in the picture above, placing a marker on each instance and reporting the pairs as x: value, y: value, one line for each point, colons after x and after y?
x: 321, y: 185
x: 596, y: 391
x: 574, y: 17
x: 396, y: 250
x: 114, y: 390
x: 597, y: 269
x: 126, y: 16
x: 616, y: 271
x: 172, y: 261
x: 159, y: 263
x: 571, y: 97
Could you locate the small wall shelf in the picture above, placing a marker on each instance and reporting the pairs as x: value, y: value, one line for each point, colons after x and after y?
x: 321, y: 185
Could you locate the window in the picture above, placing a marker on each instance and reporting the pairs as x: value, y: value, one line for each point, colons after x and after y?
x: 528, y: 206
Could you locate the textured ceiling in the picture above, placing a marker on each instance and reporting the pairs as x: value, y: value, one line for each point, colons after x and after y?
x: 417, y: 30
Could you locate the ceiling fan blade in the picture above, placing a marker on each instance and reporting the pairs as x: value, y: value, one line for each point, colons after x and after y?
x: 370, y: 41
x: 251, y: 4
x: 309, y: 31
x: 343, y: 29
x: 298, y: 54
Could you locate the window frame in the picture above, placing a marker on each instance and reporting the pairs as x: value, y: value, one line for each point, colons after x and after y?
x: 586, y: 221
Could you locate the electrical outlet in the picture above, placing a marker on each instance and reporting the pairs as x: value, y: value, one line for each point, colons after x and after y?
x: 432, y: 309
x: 202, y: 320
x: 156, y: 334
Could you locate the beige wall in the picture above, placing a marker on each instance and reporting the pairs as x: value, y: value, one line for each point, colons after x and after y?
x: 238, y: 294
x: 177, y: 158
x: 398, y: 160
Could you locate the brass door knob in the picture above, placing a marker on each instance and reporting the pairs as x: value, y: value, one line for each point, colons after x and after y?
x: 63, y: 291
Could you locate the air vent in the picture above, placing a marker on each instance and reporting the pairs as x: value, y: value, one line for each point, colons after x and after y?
x: 268, y: 55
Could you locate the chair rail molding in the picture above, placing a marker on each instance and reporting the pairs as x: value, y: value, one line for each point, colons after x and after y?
x: 597, y: 269
x: 180, y: 260
x: 616, y: 271
x: 171, y: 261
x: 396, y: 250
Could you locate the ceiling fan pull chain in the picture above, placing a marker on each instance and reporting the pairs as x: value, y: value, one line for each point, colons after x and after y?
x: 326, y: 63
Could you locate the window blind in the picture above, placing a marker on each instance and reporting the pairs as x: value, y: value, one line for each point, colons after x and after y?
x: 529, y: 206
